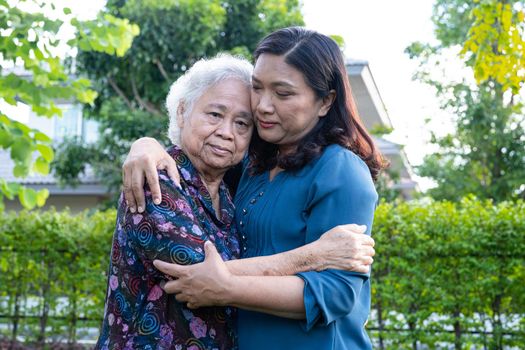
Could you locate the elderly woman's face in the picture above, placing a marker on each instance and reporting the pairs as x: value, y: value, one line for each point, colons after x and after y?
x: 217, y: 132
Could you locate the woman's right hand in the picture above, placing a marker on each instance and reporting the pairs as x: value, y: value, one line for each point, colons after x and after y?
x: 345, y: 247
x: 145, y: 157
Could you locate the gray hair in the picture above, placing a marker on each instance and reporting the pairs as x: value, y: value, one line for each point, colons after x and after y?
x: 204, y: 74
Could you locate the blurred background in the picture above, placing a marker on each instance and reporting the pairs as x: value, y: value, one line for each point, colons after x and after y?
x: 439, y: 83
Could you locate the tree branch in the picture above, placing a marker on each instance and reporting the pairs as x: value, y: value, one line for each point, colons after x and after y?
x: 161, y: 69
x: 119, y: 91
x: 144, y: 104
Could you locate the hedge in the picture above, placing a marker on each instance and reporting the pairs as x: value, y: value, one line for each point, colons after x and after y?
x: 446, y: 275
x: 53, y: 274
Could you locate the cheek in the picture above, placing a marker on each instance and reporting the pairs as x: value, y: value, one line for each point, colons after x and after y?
x: 254, y: 101
x: 241, y: 144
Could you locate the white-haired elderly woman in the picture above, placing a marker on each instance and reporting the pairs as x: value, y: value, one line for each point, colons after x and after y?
x: 210, y: 128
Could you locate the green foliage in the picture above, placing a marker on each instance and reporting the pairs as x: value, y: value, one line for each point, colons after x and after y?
x: 52, y: 273
x: 132, y: 89
x: 449, y: 273
x: 31, y: 42
x: 485, y: 155
x: 445, y: 273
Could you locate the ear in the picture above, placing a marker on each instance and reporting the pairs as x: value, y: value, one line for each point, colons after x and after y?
x: 327, y: 102
x: 180, y: 114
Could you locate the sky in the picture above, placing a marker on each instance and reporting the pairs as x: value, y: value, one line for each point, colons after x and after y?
x: 377, y: 31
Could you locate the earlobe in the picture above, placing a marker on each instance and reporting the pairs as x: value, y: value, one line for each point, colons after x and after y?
x: 328, y: 100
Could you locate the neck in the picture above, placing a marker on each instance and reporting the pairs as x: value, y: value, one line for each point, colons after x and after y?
x: 285, y: 150
x: 210, y: 177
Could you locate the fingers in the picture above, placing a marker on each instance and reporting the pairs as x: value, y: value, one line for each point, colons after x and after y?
x: 171, y: 167
x: 362, y: 269
x: 367, y: 240
x: 152, y: 177
x: 210, y: 251
x: 172, y: 270
x: 173, y: 287
x: 126, y: 188
x: 355, y: 228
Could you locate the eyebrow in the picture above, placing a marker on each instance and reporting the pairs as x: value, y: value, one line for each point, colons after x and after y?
x: 245, y: 115
x: 278, y: 83
x: 219, y: 106
x: 223, y: 108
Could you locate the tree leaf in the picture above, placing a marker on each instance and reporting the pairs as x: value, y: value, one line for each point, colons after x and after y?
x: 41, y: 197
x: 27, y: 197
x: 41, y: 165
x: 46, y: 151
x: 21, y: 149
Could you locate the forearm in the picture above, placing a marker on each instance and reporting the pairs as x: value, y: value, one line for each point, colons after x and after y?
x: 289, y: 263
x: 279, y: 296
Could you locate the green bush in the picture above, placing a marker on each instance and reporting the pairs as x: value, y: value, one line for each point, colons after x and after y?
x: 449, y: 273
x: 446, y: 274
x: 52, y: 273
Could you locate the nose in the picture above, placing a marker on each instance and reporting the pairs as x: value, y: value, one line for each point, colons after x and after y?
x: 225, y: 129
x: 264, y: 104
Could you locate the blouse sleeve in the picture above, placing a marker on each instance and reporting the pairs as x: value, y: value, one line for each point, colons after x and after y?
x: 342, y: 193
x: 161, y: 231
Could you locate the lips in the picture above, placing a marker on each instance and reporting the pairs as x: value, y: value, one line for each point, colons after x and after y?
x: 220, y: 150
x: 266, y: 124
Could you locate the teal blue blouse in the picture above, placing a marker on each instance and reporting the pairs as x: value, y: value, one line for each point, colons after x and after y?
x: 296, y: 208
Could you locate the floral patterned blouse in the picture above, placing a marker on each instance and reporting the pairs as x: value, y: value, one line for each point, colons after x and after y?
x: 138, y: 314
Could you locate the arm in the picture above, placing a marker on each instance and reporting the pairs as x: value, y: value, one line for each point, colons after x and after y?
x: 211, y: 283
x: 342, y: 192
x: 158, y: 234
x: 145, y: 157
x: 327, y: 295
x: 344, y: 247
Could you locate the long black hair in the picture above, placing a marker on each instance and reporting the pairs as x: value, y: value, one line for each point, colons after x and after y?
x: 320, y: 60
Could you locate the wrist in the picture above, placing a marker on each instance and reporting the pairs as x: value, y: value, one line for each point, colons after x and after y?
x: 307, y: 258
x: 230, y: 288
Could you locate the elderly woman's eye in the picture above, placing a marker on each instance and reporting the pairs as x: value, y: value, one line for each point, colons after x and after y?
x: 242, y: 124
x: 214, y: 114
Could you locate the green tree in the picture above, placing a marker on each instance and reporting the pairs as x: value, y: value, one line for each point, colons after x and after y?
x: 132, y: 88
x: 485, y: 155
x: 29, y: 39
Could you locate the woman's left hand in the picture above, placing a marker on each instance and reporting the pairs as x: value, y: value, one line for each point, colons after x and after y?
x: 203, y: 284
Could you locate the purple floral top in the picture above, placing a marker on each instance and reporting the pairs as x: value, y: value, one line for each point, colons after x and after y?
x: 138, y: 313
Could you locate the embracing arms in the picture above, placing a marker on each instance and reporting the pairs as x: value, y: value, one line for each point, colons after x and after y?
x: 343, y: 247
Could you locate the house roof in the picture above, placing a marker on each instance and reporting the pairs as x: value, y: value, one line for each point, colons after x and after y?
x: 370, y: 105
x: 88, y: 182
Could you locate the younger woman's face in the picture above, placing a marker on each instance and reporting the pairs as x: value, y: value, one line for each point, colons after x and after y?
x: 285, y: 108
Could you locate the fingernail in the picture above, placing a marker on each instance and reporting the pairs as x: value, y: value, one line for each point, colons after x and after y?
x: 156, y: 200
x: 132, y: 209
x: 162, y: 284
x: 141, y: 210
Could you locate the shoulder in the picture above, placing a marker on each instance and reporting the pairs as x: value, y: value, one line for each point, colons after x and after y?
x: 336, y: 158
x: 344, y: 171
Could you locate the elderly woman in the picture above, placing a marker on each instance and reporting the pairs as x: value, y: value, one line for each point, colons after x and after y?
x: 212, y: 124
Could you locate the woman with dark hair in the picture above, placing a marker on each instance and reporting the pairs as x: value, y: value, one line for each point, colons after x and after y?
x: 311, y: 167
